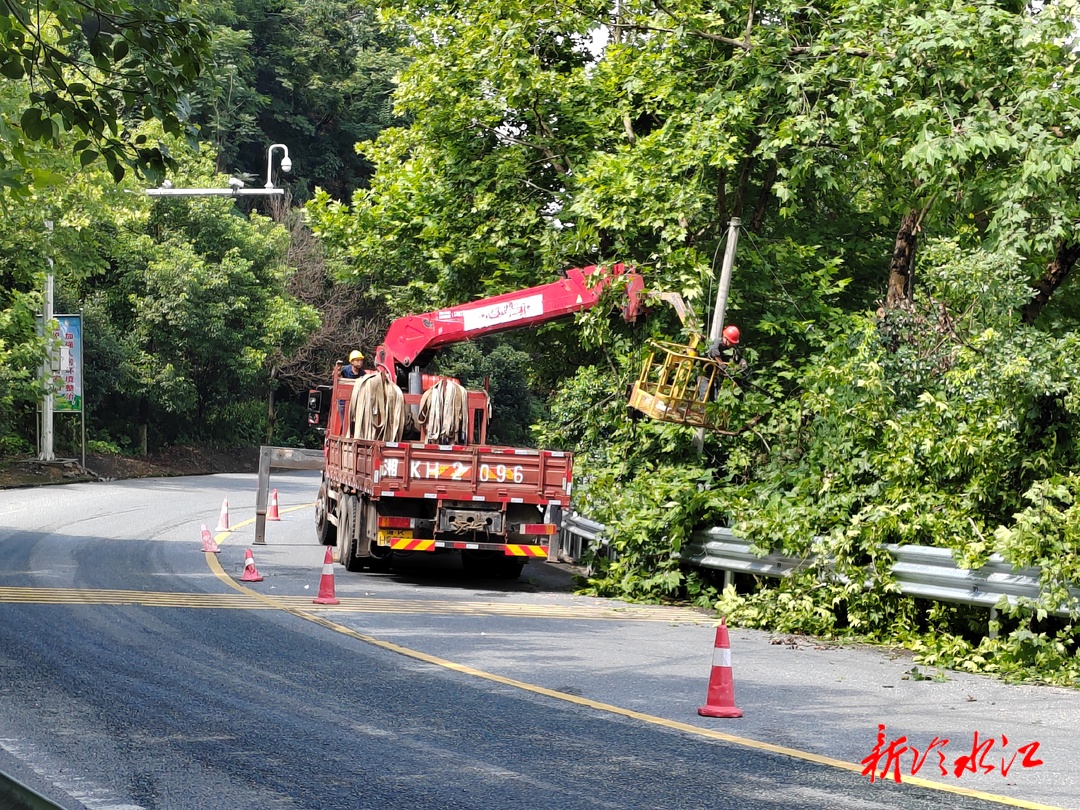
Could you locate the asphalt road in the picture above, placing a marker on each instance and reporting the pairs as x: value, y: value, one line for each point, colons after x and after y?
x: 135, y: 672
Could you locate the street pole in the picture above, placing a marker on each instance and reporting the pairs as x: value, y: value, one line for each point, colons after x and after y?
x: 236, y: 186
x: 46, y: 450
x: 716, y: 328
x: 286, y: 162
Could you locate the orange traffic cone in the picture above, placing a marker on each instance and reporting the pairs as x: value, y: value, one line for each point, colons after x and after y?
x: 209, y: 545
x: 251, y: 573
x: 223, y: 521
x: 721, y: 698
x: 273, y: 513
x: 326, y: 584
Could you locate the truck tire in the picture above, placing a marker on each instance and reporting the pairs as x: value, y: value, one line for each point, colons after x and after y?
x: 324, y: 529
x: 347, y: 532
x: 381, y: 559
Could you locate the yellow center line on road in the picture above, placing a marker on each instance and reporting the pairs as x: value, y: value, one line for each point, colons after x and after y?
x: 86, y: 596
x: 697, y: 731
x: 517, y: 609
x: 240, y: 601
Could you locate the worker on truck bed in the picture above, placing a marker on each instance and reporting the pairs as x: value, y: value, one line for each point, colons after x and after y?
x: 355, y: 368
x: 352, y: 370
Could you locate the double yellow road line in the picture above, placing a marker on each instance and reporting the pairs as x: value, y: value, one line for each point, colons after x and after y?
x: 433, y: 607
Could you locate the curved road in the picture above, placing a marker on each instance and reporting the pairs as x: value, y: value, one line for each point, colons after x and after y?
x: 136, y: 673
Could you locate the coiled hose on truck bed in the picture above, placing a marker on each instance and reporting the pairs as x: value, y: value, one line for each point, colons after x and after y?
x: 376, y: 409
x: 444, y: 413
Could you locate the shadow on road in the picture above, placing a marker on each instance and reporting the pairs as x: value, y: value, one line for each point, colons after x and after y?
x: 446, y: 570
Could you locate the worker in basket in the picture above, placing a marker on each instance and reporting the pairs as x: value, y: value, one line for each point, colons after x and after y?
x: 355, y: 369
x: 725, y: 350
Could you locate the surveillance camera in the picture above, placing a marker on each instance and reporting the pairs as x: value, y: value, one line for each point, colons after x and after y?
x: 236, y: 182
x: 286, y: 164
x: 166, y: 184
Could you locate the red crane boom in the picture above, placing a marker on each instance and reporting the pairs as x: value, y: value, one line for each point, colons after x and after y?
x: 580, y: 289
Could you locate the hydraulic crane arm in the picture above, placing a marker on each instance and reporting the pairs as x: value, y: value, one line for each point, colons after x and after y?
x: 580, y: 289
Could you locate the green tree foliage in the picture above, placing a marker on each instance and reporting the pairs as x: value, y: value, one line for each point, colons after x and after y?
x: 206, y: 306
x: 641, y: 478
x: 315, y: 75
x: 864, y: 146
x: 184, y: 301
x: 955, y: 429
x: 86, y: 68
x: 504, y: 371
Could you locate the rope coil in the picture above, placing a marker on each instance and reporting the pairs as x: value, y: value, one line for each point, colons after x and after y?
x: 443, y: 414
x: 376, y: 409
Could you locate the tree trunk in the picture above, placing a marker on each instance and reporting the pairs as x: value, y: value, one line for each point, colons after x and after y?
x: 902, y: 268
x: 144, y: 422
x: 757, y: 221
x: 721, y: 201
x: 749, y: 163
x: 271, y: 407
x: 1056, y: 272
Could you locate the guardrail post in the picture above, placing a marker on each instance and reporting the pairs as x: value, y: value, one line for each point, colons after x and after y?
x: 261, y: 495
x: 294, y: 458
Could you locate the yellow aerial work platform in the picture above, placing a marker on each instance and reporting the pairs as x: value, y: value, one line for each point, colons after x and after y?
x: 678, y: 385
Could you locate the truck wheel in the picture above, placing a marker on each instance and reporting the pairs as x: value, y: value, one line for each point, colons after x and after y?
x: 346, y: 530
x: 381, y: 560
x: 324, y: 529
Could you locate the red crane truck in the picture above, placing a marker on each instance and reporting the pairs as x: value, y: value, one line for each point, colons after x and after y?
x: 498, y: 507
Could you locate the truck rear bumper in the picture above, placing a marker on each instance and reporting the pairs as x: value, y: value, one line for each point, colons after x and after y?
x: 508, y: 549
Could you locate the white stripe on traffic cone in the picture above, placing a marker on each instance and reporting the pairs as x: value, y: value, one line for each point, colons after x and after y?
x: 223, y: 520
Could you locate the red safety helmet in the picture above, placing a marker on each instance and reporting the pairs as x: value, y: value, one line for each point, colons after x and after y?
x: 731, y: 334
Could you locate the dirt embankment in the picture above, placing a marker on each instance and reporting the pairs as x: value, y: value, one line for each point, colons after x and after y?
x: 106, y: 467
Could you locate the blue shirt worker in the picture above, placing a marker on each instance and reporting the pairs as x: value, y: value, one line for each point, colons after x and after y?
x: 355, y: 369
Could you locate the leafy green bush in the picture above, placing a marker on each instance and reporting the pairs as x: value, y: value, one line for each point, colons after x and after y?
x: 947, y: 425
x: 103, y: 446
x: 12, y: 445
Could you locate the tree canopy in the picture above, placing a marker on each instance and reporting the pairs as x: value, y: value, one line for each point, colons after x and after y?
x: 87, y: 68
x: 196, y: 313
x: 315, y: 75
x: 906, y: 181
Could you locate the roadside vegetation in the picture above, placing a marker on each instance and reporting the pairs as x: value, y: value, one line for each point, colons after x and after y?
x: 907, y: 183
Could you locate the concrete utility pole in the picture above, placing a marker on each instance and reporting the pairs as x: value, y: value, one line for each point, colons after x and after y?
x: 716, y: 328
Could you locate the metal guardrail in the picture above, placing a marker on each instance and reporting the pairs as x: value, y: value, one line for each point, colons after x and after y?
x: 577, y: 532
x: 932, y: 573
x: 14, y: 795
x: 921, y: 571
x: 293, y: 458
x: 720, y: 549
